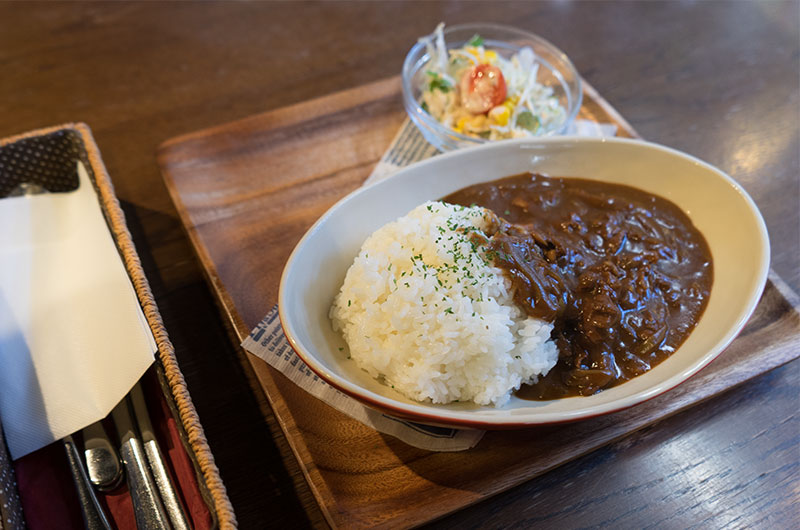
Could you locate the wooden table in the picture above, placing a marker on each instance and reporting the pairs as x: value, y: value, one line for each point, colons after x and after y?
x: 716, y: 79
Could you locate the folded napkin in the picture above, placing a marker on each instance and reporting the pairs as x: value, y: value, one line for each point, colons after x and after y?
x: 73, y: 339
x: 268, y: 342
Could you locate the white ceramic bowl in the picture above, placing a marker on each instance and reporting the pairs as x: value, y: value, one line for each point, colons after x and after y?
x: 717, y: 205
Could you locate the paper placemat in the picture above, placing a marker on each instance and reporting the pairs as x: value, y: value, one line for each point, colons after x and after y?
x: 268, y: 342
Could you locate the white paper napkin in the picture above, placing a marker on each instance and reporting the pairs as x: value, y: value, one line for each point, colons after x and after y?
x: 73, y: 339
x: 268, y: 342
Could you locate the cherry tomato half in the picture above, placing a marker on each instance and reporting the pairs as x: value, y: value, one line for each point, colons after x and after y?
x: 482, y: 88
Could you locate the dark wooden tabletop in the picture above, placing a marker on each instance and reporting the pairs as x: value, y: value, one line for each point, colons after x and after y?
x: 719, y: 80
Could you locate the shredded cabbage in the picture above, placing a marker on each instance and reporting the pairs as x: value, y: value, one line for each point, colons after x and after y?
x: 529, y: 109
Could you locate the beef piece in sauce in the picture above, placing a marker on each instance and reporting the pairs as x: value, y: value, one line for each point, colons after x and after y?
x: 623, y: 275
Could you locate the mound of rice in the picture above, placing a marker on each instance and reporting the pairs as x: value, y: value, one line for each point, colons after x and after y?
x: 423, y: 310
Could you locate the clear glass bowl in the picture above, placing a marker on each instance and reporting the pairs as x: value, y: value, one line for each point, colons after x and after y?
x: 555, y: 70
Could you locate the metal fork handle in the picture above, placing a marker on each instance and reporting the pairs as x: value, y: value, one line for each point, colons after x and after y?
x: 146, y: 504
x: 144, y: 495
x: 169, y: 496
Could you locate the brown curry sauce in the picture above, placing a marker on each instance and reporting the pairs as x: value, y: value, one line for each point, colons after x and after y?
x: 623, y: 275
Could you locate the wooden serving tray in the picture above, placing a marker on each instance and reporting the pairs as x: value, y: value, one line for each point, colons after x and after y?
x: 248, y: 190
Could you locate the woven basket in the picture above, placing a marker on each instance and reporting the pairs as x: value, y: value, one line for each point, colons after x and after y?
x: 48, y: 157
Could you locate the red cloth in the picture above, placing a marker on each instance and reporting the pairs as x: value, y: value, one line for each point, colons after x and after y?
x: 46, y: 491
x: 48, y: 495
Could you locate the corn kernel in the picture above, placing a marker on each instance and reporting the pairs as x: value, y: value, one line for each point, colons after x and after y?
x: 500, y: 115
x: 476, y: 123
x: 490, y: 56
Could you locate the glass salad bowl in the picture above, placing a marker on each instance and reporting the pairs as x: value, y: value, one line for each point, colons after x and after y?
x: 471, y: 84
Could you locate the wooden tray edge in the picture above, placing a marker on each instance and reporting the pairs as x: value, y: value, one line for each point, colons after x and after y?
x: 260, y: 370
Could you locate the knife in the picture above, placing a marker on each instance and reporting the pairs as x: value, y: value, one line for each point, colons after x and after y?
x: 93, y: 516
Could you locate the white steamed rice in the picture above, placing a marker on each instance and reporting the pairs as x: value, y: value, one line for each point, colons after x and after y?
x: 423, y: 310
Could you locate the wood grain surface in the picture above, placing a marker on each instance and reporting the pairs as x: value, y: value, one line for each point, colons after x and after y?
x: 716, y: 79
x: 259, y: 183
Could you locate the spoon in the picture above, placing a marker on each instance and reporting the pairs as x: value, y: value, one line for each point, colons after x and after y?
x: 102, y: 462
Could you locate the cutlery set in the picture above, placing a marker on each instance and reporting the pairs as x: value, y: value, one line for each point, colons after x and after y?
x: 138, y: 457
